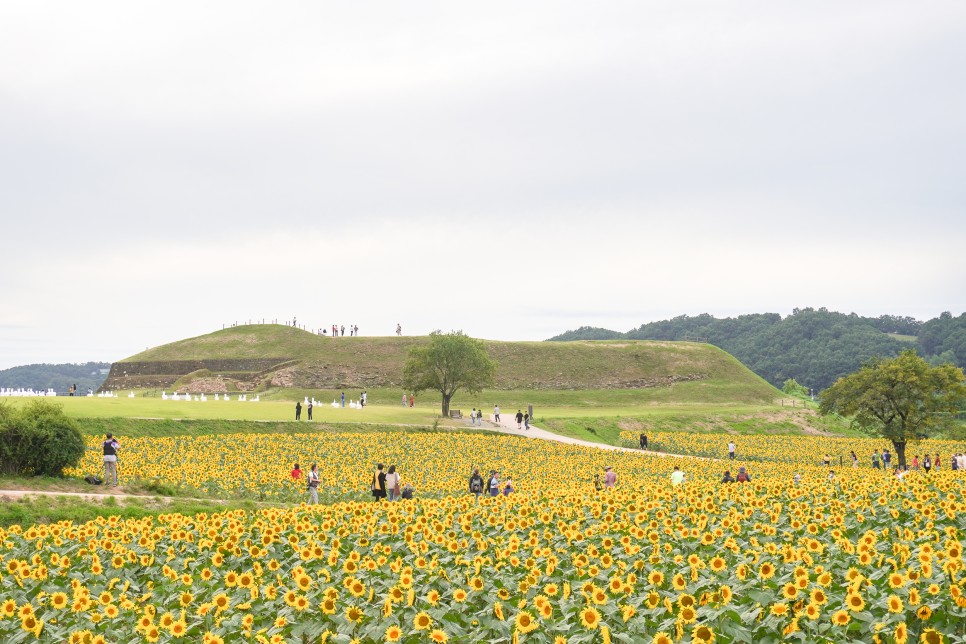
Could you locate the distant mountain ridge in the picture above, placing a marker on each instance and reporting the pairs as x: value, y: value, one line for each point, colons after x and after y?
x: 813, y: 346
x: 58, y: 377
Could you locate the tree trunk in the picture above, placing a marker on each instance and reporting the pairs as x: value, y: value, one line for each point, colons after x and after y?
x: 900, y: 453
x: 446, y: 400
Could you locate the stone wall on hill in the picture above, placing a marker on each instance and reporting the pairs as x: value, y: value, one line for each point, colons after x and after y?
x: 163, y: 374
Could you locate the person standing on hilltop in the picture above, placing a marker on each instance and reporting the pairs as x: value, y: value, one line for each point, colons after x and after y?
x: 398, y: 329
x: 298, y: 410
x: 342, y: 330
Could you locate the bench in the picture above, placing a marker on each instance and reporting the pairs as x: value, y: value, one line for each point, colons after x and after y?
x: 455, y: 413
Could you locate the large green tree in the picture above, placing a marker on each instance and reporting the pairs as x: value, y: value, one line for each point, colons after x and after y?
x: 449, y: 362
x: 900, y: 399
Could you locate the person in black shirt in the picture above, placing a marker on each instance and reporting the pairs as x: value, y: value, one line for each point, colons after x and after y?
x: 110, y: 460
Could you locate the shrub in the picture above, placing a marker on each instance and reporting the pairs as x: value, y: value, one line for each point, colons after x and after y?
x: 38, y: 439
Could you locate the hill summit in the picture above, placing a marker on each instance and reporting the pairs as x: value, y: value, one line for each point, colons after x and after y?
x: 264, y: 357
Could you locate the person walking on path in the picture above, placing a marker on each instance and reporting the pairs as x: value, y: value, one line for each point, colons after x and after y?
x: 677, y: 476
x: 378, y: 483
x: 392, y: 484
x: 313, y: 484
x: 298, y: 410
x: 643, y: 441
x: 309, y: 409
x: 731, y: 450
x: 110, y: 460
x: 476, y: 483
x: 519, y: 419
x: 526, y: 421
x: 404, y: 400
x: 610, y: 477
x: 343, y: 399
x: 473, y: 417
x: 412, y: 400
x: 496, y: 413
x: 494, y: 483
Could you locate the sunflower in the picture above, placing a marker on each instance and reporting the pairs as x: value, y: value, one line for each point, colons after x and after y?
x: 931, y: 636
x: 422, y: 621
x: 779, y: 610
x: 901, y: 633
x: 855, y: 602
x: 841, y: 618
x: 895, y: 604
x: 392, y: 634
x: 688, y: 615
x: 924, y: 613
x: 702, y: 633
x: 589, y: 617
x: 812, y: 611
x: 662, y: 638
x: 896, y: 580
x: 354, y: 614
x: 766, y: 571
x: 437, y: 635
x: 525, y: 622
x: 790, y: 591
x: 655, y: 578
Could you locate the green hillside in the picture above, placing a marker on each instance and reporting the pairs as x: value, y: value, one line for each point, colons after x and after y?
x: 267, y: 357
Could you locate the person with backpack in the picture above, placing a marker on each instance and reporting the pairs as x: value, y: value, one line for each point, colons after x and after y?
x: 476, y: 483
x: 526, y: 422
x: 494, y: 483
x: 743, y: 476
x: 643, y: 441
x: 727, y: 478
x: 313, y: 484
x: 110, y: 460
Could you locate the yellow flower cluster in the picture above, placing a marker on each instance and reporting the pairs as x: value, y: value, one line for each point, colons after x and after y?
x: 855, y: 559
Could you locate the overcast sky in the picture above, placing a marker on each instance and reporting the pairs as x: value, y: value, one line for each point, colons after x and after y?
x: 510, y: 169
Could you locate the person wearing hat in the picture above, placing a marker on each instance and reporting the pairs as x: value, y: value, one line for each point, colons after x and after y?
x: 610, y: 477
x: 743, y: 476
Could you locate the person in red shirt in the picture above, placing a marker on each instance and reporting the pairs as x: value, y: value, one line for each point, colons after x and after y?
x: 296, y: 472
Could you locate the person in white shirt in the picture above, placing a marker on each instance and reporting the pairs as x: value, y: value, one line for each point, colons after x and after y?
x: 392, y: 484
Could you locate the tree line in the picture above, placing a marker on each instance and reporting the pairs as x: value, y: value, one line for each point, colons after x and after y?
x: 815, y: 347
x: 58, y: 377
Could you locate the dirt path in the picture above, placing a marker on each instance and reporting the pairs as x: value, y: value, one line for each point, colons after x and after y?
x: 508, y: 425
x: 10, y: 495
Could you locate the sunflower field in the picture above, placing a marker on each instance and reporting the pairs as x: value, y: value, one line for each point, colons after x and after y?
x: 848, y: 558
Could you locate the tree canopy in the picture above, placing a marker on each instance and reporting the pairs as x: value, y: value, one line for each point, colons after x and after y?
x: 900, y: 399
x: 449, y: 362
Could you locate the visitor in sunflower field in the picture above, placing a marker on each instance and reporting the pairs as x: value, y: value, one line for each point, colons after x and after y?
x: 954, y: 462
x: 935, y: 463
x: 915, y: 462
x: 677, y: 476
x: 313, y: 484
x: 476, y: 482
x: 296, y: 472
x: 597, y: 484
x: 855, y: 459
x: 886, y: 459
x: 797, y: 478
x: 494, y: 483
x: 519, y: 419
x: 643, y: 441
x: 875, y: 459
x: 308, y: 408
x: 407, y: 491
x: 507, y: 486
x: 731, y: 450
x: 831, y: 476
x: 610, y: 477
x: 392, y: 484
x: 926, y: 463
x: 110, y: 460
x: 826, y: 460
x: 378, y: 483
x: 743, y: 475
x: 298, y: 410
x: 727, y: 478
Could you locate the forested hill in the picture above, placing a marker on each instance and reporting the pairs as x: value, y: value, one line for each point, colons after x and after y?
x: 814, y: 347
x: 60, y: 377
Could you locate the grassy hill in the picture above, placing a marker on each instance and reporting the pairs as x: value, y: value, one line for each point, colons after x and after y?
x: 268, y: 357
